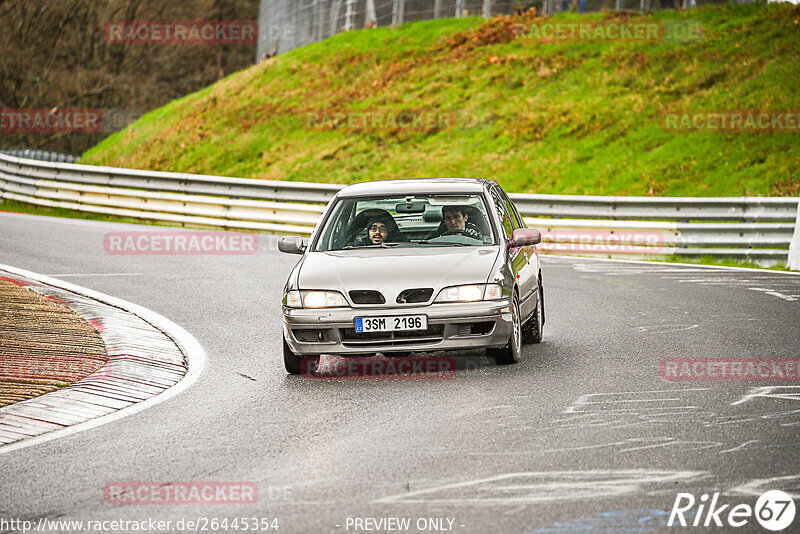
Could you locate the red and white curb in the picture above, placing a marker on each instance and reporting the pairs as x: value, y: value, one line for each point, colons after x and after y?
x: 151, y: 359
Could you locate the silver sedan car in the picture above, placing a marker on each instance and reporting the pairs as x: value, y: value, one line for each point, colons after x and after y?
x: 404, y: 266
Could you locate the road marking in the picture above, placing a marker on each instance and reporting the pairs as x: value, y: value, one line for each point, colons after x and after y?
x: 740, y: 447
x: 632, y: 521
x: 735, y: 421
x: 791, y: 393
x: 542, y: 486
x: 774, y: 293
x: 769, y: 282
x: 65, y: 275
x: 790, y: 484
x: 671, y: 442
x: 584, y: 400
x: 666, y: 329
x: 655, y: 266
x: 779, y: 414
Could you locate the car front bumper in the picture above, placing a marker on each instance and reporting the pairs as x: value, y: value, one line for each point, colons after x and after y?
x: 462, y: 325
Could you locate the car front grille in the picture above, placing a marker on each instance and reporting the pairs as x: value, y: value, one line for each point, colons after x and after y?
x: 366, y: 296
x: 415, y: 295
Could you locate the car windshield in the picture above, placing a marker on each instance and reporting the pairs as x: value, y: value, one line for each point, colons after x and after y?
x: 407, y: 221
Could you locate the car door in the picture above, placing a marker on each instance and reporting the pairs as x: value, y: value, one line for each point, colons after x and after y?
x: 528, y: 279
x: 517, y: 256
x: 533, y: 257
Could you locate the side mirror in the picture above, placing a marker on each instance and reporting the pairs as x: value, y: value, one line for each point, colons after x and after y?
x: 525, y: 237
x: 292, y: 244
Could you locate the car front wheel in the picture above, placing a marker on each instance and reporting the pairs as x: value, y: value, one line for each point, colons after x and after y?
x: 296, y: 364
x: 511, y: 352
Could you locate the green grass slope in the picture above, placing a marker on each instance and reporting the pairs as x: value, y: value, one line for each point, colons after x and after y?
x: 572, y: 117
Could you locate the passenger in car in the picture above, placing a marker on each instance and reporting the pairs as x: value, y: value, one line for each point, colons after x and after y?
x: 455, y: 221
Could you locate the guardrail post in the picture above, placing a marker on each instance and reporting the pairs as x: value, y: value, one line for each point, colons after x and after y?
x: 793, y: 262
x: 397, y: 12
x: 371, y: 18
x: 297, y: 37
x: 437, y: 9
x: 349, y: 15
x: 333, y: 16
x: 459, y: 8
x: 317, y: 20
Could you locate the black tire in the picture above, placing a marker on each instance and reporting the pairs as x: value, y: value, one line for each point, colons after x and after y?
x: 296, y: 364
x: 532, y: 329
x: 511, y: 352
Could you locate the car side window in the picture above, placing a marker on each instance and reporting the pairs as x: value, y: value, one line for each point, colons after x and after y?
x: 515, y: 216
x: 502, y: 213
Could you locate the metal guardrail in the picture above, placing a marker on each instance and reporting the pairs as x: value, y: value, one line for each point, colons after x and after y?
x: 739, y: 209
x: 42, y: 155
x: 755, y: 228
x: 794, y: 247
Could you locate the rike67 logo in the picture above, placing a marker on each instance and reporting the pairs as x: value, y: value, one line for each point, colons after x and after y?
x: 774, y: 510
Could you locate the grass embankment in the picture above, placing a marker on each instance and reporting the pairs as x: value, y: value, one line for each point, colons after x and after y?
x: 571, y: 117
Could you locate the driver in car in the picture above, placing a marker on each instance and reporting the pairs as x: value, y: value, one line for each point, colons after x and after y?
x: 377, y: 232
x: 456, y: 221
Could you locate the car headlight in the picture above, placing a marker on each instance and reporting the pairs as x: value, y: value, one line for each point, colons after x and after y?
x: 470, y: 293
x: 314, y: 299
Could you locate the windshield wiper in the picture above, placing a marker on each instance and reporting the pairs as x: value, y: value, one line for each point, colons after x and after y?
x: 377, y: 245
x: 444, y: 243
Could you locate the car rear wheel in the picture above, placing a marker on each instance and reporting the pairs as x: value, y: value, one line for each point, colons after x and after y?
x: 511, y: 352
x: 296, y: 364
x: 532, y: 330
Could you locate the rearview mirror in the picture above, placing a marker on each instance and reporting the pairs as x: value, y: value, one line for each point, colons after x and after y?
x: 410, y: 207
x: 292, y: 244
x: 525, y: 237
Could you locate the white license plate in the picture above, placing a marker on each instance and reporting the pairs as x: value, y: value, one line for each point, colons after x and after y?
x: 391, y: 323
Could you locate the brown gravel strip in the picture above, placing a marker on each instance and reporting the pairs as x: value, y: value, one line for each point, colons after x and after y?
x: 44, y: 345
